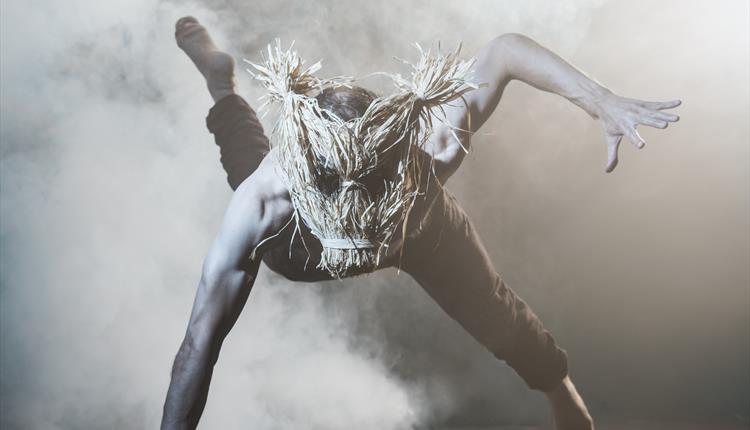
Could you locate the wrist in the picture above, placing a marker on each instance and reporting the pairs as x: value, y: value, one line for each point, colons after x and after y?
x: 589, y: 96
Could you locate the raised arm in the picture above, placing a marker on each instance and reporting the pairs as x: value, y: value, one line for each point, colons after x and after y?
x: 228, y: 274
x: 514, y: 56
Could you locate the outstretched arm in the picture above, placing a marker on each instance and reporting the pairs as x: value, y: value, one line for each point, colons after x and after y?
x: 514, y: 56
x: 227, y: 278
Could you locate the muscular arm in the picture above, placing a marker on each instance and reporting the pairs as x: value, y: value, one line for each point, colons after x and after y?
x: 217, y: 305
x: 513, y: 56
x: 227, y: 278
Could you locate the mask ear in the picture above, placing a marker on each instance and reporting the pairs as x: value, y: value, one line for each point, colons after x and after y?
x: 438, y: 78
x: 300, y: 127
x: 283, y: 73
x: 288, y: 82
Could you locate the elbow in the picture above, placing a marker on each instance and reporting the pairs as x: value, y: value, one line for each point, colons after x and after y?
x: 220, y: 275
x: 219, y: 290
x: 511, y: 46
x: 214, y: 273
x: 509, y: 41
x: 507, y: 53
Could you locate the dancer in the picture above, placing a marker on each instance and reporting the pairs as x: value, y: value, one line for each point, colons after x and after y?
x: 289, y: 215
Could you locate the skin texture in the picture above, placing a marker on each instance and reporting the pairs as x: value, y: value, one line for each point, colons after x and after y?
x: 261, y: 206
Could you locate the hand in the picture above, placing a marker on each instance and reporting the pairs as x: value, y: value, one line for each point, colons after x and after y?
x: 620, y: 117
x: 568, y: 409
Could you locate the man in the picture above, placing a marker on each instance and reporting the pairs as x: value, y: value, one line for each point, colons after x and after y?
x: 438, y: 247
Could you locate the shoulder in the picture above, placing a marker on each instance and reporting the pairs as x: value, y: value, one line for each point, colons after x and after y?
x: 266, y: 182
x: 259, y: 208
x: 266, y: 191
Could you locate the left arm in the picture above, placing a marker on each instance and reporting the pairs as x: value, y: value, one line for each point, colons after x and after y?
x: 514, y: 56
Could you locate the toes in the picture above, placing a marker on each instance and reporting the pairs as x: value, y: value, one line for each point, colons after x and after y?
x: 184, y: 22
x: 189, y: 30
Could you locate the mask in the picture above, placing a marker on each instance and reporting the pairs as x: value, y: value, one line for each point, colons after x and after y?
x: 353, y: 182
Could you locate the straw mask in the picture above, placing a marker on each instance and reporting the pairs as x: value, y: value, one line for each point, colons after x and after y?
x: 353, y: 182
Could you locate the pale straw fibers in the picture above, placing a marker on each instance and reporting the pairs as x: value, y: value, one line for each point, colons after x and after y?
x: 330, y: 164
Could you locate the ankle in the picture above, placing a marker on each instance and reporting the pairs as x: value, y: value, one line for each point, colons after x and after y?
x: 562, y: 390
x: 221, y: 91
x: 568, y: 407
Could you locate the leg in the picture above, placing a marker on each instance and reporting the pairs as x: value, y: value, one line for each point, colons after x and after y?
x: 448, y: 260
x: 236, y: 129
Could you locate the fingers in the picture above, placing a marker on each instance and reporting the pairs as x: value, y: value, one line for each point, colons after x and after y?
x: 613, y: 144
x: 652, y: 122
x: 661, y: 105
x: 632, y: 134
x: 624, y: 115
x: 664, y: 116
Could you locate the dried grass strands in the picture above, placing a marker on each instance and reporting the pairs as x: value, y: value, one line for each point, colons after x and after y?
x: 354, y: 226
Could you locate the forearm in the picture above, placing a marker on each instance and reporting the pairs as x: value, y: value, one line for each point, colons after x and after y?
x: 188, y: 390
x: 217, y: 306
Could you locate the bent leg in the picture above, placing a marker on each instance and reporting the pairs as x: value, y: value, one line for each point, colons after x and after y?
x: 448, y: 260
x: 240, y: 137
x: 236, y: 129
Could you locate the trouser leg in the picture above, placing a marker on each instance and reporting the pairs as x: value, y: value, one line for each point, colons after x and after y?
x: 449, y: 261
x: 240, y: 137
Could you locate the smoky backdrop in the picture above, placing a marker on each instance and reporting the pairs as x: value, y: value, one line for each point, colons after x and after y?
x: 111, y: 192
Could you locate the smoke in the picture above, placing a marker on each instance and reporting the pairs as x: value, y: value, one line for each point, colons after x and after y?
x: 111, y: 193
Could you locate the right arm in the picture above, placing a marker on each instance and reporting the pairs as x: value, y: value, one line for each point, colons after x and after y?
x: 227, y: 278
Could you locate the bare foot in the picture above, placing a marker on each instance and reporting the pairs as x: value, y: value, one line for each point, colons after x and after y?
x: 214, y: 64
x: 568, y: 409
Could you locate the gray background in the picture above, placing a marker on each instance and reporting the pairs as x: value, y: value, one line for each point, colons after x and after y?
x: 111, y: 193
